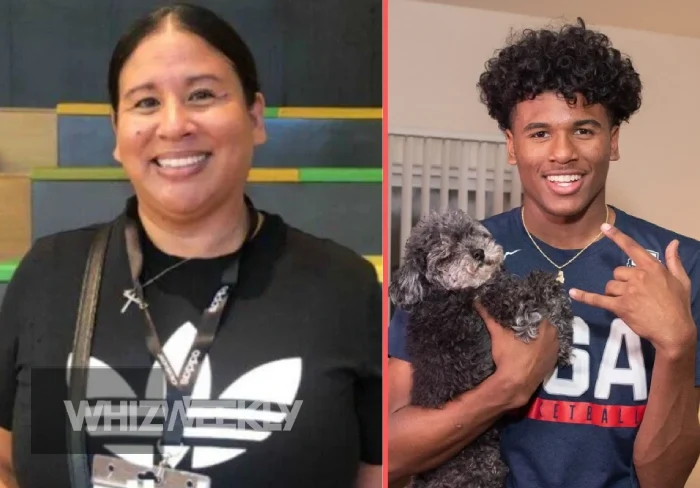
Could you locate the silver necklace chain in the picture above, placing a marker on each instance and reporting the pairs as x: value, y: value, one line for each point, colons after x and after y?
x: 166, y: 270
x: 130, y: 294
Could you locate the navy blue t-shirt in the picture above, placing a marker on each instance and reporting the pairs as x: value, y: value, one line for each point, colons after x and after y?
x: 579, y: 432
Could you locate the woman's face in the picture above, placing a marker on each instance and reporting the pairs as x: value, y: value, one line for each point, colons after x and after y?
x: 184, y: 133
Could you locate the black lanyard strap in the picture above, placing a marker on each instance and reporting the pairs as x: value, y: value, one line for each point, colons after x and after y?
x: 182, y: 383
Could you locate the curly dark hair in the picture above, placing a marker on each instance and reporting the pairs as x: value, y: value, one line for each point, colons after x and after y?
x: 572, y: 61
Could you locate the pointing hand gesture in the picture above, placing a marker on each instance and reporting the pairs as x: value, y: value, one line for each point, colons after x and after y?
x: 652, y: 299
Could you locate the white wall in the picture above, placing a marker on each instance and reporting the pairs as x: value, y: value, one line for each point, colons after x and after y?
x: 437, y: 51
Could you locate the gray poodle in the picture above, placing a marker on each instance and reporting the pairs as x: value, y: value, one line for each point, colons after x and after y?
x: 451, y: 261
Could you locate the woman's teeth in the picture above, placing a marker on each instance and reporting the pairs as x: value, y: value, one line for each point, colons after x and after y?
x: 564, y: 180
x: 181, y: 162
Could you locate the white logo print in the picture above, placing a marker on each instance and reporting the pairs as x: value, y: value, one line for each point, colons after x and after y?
x: 218, y: 299
x: 509, y: 253
x: 275, y: 382
x: 189, y: 369
x: 631, y: 264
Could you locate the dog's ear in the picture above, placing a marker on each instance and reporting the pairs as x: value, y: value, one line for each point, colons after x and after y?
x: 407, y: 285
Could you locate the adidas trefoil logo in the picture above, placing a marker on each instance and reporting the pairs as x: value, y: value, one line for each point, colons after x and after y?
x: 274, y: 382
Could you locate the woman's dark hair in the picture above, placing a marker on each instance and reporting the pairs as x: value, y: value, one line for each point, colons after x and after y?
x: 572, y: 61
x: 199, y: 21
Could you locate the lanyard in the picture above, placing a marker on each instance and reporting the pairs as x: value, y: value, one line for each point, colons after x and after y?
x: 181, y: 384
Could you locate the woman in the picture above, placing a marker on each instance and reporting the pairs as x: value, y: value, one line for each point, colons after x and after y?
x: 290, y: 325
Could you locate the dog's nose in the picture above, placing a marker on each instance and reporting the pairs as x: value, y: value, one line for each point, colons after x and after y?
x: 478, y: 254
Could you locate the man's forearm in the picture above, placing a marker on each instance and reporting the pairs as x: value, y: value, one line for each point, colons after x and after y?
x: 668, y: 442
x: 421, y: 438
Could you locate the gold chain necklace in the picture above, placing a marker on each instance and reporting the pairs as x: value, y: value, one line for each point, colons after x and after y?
x: 560, y: 275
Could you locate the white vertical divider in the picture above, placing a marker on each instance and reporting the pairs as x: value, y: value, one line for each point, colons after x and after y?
x: 406, y: 191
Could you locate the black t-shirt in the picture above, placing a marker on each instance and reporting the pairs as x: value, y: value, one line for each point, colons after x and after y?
x: 304, y: 331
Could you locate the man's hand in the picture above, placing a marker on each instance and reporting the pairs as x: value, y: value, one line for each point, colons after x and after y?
x: 522, y: 366
x: 654, y: 301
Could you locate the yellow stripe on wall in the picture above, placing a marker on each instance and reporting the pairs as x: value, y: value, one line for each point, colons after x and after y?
x: 282, y: 112
x: 266, y: 175
x: 103, y: 173
x: 83, y: 109
x: 329, y: 113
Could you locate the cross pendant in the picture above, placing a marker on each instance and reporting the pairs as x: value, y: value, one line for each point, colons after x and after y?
x: 560, y: 276
x: 131, y: 297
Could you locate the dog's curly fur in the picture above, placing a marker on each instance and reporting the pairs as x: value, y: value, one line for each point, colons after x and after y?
x: 451, y: 260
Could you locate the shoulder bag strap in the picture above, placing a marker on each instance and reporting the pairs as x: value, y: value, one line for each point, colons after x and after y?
x: 82, y: 342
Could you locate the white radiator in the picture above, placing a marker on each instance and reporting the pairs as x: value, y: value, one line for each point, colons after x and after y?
x: 436, y: 171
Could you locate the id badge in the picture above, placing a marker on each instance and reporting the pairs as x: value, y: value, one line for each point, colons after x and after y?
x: 112, y: 472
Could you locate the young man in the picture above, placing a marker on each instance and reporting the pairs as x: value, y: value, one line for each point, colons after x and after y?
x: 625, y: 414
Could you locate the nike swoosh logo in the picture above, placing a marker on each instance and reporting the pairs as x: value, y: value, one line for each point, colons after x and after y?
x: 509, y: 253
